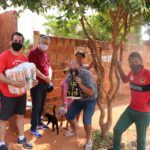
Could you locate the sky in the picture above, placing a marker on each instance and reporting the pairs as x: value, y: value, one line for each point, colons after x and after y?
x: 29, y: 22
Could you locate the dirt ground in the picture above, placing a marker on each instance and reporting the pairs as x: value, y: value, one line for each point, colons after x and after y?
x: 52, y: 141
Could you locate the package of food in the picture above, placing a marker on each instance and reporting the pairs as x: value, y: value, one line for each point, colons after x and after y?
x: 23, y: 72
x: 30, y: 74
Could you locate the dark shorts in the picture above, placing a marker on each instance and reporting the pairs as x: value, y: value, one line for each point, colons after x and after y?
x: 11, y: 106
x: 88, y: 108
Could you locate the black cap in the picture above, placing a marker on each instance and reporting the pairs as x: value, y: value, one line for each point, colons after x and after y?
x: 80, y: 53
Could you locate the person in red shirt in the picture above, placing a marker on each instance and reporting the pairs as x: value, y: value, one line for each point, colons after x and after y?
x: 39, y: 57
x: 10, y: 103
x: 138, y: 111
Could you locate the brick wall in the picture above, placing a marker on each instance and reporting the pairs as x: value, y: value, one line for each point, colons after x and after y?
x: 61, y: 51
x: 147, y: 43
x: 8, y: 25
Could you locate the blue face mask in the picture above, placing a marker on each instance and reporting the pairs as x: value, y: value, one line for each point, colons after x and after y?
x: 136, y: 68
x: 43, y: 47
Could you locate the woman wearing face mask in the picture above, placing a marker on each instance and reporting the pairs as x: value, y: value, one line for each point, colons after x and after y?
x: 138, y: 111
x: 39, y: 57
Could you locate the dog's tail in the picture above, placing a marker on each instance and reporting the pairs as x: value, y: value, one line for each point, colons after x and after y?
x: 54, y: 110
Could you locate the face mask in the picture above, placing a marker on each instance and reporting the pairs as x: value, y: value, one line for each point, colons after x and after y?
x: 136, y: 68
x: 16, y: 46
x: 43, y: 47
x: 74, y: 72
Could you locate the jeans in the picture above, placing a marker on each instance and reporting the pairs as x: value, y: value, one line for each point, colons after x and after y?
x: 130, y: 116
x: 38, y: 95
x: 88, y: 108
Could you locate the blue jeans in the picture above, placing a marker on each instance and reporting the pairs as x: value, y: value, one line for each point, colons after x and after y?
x: 77, y: 106
x: 38, y: 95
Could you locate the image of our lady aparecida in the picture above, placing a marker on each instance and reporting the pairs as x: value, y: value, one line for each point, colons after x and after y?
x: 73, y: 91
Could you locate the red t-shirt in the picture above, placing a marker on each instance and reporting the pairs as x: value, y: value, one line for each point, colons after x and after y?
x: 40, y: 59
x: 140, y: 90
x: 8, y: 61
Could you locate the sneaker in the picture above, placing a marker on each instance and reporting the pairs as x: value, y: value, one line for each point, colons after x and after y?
x: 3, y: 147
x: 88, y: 147
x: 35, y: 133
x: 42, y: 126
x: 69, y: 134
x: 25, y: 143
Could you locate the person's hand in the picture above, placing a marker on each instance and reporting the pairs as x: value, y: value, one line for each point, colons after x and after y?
x: 34, y: 82
x: 48, y: 80
x: 118, y: 62
x: 18, y: 84
x: 78, y: 80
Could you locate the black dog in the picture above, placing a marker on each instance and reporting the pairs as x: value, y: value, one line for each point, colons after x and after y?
x: 53, y: 120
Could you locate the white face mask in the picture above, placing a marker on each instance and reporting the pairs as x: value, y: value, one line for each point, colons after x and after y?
x: 43, y: 47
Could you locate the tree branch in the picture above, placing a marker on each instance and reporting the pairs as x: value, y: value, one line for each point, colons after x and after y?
x: 126, y: 30
x: 117, y: 85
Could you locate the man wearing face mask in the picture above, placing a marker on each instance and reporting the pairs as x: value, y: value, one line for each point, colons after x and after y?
x: 84, y: 95
x: 138, y: 112
x: 12, y: 104
x: 39, y: 57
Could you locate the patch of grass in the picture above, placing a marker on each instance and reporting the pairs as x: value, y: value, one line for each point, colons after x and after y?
x: 99, y: 143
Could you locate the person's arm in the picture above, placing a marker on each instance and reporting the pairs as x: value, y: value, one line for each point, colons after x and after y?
x: 86, y: 90
x: 50, y: 73
x: 121, y: 73
x: 4, y: 79
x: 42, y: 76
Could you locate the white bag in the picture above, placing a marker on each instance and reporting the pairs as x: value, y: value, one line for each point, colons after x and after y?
x: 23, y: 72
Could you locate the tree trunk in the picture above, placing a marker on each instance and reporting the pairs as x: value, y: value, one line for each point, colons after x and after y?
x: 110, y: 94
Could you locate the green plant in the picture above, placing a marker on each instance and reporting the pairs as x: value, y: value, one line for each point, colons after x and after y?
x: 99, y: 142
x: 26, y: 46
